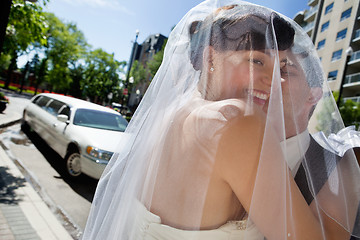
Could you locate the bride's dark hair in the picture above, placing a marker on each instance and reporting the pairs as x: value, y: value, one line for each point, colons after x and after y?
x: 228, y: 29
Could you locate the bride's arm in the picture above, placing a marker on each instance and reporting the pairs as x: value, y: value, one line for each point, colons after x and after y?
x: 266, y: 188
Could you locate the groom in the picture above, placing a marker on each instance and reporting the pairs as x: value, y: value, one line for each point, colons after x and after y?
x: 307, y: 160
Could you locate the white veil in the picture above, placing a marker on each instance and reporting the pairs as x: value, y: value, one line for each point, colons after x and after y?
x: 222, y: 137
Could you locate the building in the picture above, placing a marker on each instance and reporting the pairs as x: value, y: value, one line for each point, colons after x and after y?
x: 334, y: 27
x: 151, y: 46
x: 143, y: 53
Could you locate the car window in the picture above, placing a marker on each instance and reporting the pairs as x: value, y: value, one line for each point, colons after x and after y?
x: 54, y: 107
x: 36, y: 99
x: 65, y: 111
x: 42, y: 102
x: 99, y: 119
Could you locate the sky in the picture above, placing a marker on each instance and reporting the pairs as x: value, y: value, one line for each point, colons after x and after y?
x: 112, y: 24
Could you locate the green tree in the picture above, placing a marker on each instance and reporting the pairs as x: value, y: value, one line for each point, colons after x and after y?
x: 336, y: 95
x: 350, y: 113
x: 4, y: 61
x: 26, y: 26
x: 138, y: 72
x: 66, y: 46
x: 155, y: 63
x: 77, y: 76
x: 327, y: 116
x: 101, y: 75
x: 40, y: 71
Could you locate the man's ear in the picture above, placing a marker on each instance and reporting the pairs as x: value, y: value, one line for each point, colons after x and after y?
x: 315, y: 95
x: 208, y: 55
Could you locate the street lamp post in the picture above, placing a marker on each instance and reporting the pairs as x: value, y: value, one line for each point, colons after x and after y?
x: 349, y: 52
x: 110, y: 96
x: 137, y: 96
x: 132, y: 56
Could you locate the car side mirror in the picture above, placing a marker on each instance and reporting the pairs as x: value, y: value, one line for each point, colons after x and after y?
x: 62, y: 118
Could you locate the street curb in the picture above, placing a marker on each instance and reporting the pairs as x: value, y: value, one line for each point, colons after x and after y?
x: 7, y: 124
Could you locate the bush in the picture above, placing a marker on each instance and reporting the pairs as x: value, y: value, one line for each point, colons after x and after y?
x: 3, y: 98
x: 350, y: 113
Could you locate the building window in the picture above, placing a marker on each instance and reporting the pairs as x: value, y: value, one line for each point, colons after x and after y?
x: 325, y: 26
x: 332, y: 75
x: 336, y: 55
x: 321, y: 44
x: 341, y: 35
x: 329, y: 8
x: 346, y: 14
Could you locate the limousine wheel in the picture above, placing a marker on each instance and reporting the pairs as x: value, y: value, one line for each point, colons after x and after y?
x: 73, y: 165
x: 24, y: 126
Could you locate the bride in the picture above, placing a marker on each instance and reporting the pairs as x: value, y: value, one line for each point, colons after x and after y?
x: 221, y: 147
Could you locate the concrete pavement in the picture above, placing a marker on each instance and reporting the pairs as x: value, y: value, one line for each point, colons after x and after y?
x: 9, y: 118
x: 23, y: 213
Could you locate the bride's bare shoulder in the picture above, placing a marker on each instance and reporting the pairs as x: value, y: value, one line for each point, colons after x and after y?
x: 224, y: 110
x: 240, y: 145
x: 209, y: 118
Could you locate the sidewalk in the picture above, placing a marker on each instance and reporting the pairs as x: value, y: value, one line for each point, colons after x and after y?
x: 23, y: 214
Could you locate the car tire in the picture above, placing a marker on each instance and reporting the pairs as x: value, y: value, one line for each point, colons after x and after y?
x: 24, y: 126
x: 73, y: 165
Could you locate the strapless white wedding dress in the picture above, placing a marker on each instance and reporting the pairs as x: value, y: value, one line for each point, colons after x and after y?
x: 149, y: 227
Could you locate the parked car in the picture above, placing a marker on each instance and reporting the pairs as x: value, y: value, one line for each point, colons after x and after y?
x: 83, y: 133
x: 124, y: 110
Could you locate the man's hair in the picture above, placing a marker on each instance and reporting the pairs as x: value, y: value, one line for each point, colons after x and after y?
x: 312, y: 69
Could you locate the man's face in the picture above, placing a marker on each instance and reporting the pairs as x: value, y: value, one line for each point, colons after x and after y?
x: 296, y: 92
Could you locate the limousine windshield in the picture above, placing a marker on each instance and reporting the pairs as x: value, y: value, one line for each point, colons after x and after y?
x: 99, y: 119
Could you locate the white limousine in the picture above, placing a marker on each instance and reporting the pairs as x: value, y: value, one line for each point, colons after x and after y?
x: 83, y: 133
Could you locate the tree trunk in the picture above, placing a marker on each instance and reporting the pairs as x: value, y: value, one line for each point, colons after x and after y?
x: 26, y: 76
x: 36, y: 88
x: 10, y: 70
x: 5, y: 6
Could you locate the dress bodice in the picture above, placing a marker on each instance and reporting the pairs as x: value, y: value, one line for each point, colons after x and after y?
x: 149, y: 227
